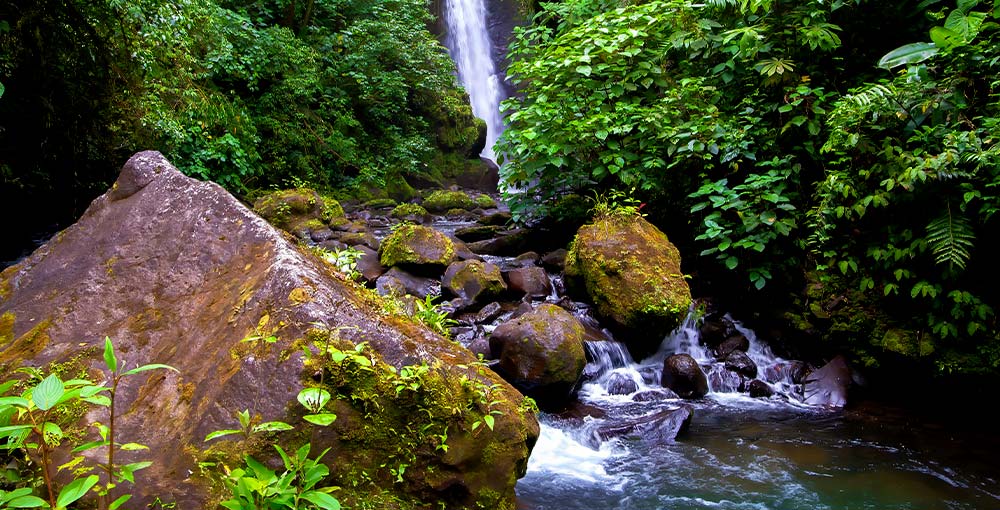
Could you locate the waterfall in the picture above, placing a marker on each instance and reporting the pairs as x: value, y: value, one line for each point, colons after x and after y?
x: 469, y: 44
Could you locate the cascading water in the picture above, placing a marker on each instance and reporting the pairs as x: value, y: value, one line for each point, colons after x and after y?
x: 469, y: 44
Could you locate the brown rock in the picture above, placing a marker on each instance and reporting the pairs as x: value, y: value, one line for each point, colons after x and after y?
x: 177, y: 271
x: 529, y: 281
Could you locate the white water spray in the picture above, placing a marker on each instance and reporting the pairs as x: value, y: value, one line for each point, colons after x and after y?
x: 469, y: 44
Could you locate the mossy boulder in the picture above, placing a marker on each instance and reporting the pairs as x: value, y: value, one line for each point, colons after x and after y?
x: 445, y: 200
x: 474, y: 281
x: 541, y: 353
x: 417, y: 245
x: 412, y: 213
x: 485, y: 202
x: 632, y: 273
x: 301, y: 211
x: 177, y: 271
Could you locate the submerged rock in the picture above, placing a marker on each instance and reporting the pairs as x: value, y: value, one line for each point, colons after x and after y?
x: 682, y: 374
x: 660, y: 427
x: 828, y: 386
x: 541, y: 353
x: 177, y: 271
x: 759, y: 389
x: 632, y: 274
x: 620, y: 384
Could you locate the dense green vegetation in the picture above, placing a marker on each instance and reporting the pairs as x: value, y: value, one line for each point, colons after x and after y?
x: 790, y: 143
x: 246, y: 93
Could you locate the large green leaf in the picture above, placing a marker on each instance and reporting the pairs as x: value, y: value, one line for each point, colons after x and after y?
x: 109, y: 355
x: 48, y: 392
x: 75, y: 490
x: 322, y: 500
x: 908, y: 54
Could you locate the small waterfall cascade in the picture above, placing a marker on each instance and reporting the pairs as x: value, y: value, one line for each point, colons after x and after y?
x: 469, y: 44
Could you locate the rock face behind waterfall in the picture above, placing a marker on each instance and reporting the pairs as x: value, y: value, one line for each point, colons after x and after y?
x: 177, y: 271
x: 632, y: 273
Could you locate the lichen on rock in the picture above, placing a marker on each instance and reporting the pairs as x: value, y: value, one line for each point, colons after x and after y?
x: 416, y: 245
x: 631, y: 272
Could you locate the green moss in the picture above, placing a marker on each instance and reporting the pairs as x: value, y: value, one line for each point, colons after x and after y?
x: 409, y: 211
x: 398, y: 189
x: 443, y: 200
x: 380, y: 203
x: 485, y: 201
x: 631, y: 272
x: 26, y: 346
x: 331, y: 209
x: 417, y: 245
x: 281, y: 208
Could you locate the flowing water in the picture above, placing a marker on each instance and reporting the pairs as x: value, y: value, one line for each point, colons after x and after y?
x: 743, y: 453
x: 469, y: 44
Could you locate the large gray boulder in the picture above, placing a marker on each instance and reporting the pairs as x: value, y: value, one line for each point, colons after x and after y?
x: 177, y: 271
x: 828, y: 386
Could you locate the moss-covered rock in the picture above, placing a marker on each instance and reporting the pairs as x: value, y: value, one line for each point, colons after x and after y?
x: 444, y: 200
x: 485, y: 201
x: 473, y: 281
x: 177, y: 271
x: 416, y: 245
x: 413, y: 213
x: 632, y: 273
x: 380, y: 203
x: 302, y: 212
x: 541, y: 353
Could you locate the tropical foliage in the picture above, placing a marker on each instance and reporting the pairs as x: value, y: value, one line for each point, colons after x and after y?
x: 792, y: 144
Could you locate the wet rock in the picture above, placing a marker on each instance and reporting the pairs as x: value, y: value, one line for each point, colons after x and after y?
x: 715, y: 329
x: 739, y: 362
x: 510, y: 244
x: 828, y: 386
x: 485, y: 315
x: 480, y: 345
x: 620, y: 384
x: 321, y: 234
x: 473, y: 281
x: 397, y: 282
x: 654, y: 395
x: 759, y: 389
x: 365, y: 238
x: 733, y: 343
x: 499, y: 218
x: 794, y: 371
x: 541, y: 353
x: 682, y: 374
x: 477, y: 233
x: 529, y: 281
x: 554, y: 261
x: 417, y: 245
x: 380, y: 203
x: 632, y: 274
x: 578, y: 412
x: 661, y: 427
x: 177, y: 271
x: 368, y: 264
x: 526, y: 259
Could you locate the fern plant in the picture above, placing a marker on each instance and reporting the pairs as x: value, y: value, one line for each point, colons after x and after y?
x: 950, y: 237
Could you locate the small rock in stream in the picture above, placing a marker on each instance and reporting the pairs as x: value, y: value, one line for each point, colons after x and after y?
x: 660, y: 427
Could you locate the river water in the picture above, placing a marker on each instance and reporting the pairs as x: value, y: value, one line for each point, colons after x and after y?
x: 742, y: 453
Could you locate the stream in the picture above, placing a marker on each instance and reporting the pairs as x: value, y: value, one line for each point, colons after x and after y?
x: 739, y: 453
x: 746, y: 453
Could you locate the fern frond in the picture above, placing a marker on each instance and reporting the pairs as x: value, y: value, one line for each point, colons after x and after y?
x: 950, y: 238
x: 877, y: 94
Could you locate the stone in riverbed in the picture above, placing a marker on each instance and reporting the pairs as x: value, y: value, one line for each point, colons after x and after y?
x: 632, y: 274
x: 828, y: 386
x: 417, y: 246
x: 682, y: 374
x: 541, y: 353
x: 397, y: 282
x: 759, y: 389
x: 620, y: 384
x: 661, y: 427
x: 529, y: 281
x: 739, y: 362
x: 473, y: 281
x: 737, y: 342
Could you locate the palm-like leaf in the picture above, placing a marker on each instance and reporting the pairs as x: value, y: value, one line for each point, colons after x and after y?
x: 950, y: 238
